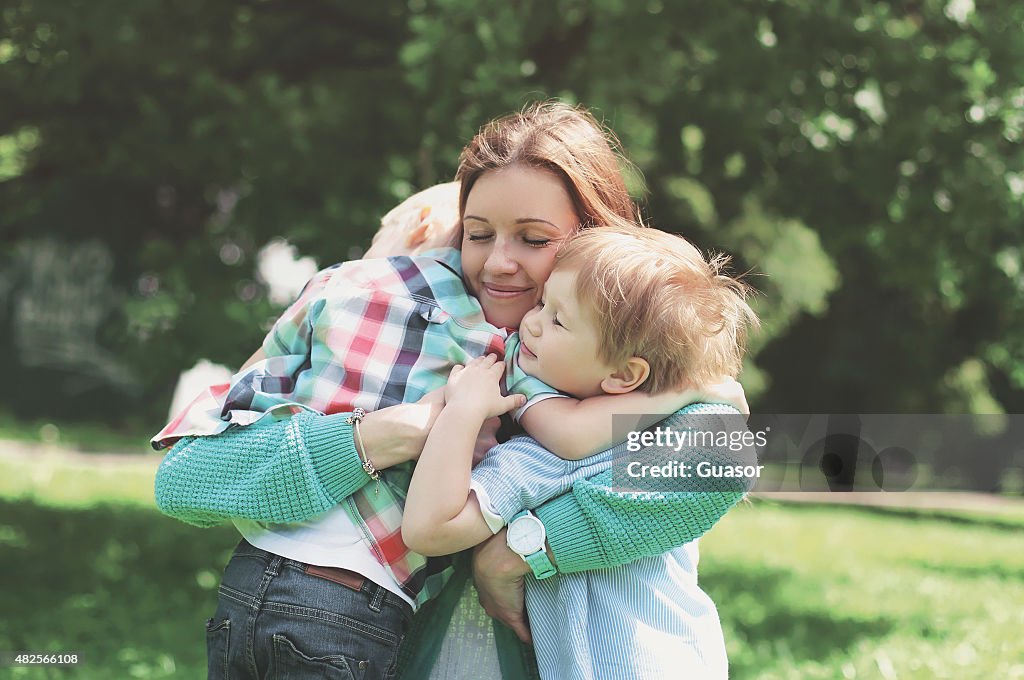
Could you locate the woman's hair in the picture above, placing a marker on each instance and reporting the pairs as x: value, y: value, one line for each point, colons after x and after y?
x: 654, y: 295
x: 565, y: 140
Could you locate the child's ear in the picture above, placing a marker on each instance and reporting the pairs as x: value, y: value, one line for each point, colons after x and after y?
x: 628, y: 377
x: 422, y: 231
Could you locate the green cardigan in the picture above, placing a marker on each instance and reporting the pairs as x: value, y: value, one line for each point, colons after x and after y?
x: 293, y: 470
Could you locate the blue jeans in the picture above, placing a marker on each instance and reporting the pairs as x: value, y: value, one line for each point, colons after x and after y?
x: 274, y: 620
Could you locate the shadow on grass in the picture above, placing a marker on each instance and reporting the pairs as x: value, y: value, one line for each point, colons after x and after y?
x: 130, y: 589
x: 779, y: 619
x: 125, y: 587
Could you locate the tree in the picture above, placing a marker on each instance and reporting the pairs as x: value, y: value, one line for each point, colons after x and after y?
x: 864, y: 156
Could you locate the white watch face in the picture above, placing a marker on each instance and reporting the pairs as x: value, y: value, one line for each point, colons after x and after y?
x: 526, y: 535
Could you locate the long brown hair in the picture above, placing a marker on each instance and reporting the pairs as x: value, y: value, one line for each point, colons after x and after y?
x: 565, y: 140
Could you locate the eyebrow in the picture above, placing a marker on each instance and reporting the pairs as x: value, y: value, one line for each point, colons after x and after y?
x: 521, y: 220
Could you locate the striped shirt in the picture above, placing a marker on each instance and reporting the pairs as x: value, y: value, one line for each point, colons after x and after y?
x: 645, y: 619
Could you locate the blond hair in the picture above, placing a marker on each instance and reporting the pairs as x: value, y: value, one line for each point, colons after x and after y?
x: 654, y: 295
x: 564, y: 140
x: 425, y: 220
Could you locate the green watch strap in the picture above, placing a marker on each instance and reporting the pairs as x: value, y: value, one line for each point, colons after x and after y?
x: 541, y: 565
x: 538, y: 561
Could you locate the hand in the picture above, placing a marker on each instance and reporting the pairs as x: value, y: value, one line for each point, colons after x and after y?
x: 486, y: 439
x: 498, y: 573
x: 397, y: 433
x: 728, y: 391
x: 475, y: 386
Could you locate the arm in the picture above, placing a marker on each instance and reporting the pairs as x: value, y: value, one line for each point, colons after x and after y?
x: 521, y: 474
x: 271, y: 471
x: 441, y: 516
x: 603, y: 525
x: 593, y: 527
x: 281, y: 471
x: 286, y: 470
x: 573, y: 429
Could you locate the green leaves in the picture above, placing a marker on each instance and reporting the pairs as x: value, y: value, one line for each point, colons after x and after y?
x: 859, y: 154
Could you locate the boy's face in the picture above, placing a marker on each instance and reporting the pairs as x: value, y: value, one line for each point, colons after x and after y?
x: 559, y: 340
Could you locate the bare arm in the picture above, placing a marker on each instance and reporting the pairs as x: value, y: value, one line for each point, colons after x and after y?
x: 441, y: 516
x: 573, y: 429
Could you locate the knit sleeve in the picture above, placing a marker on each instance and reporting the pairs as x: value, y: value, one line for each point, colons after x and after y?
x: 596, y: 527
x: 271, y: 471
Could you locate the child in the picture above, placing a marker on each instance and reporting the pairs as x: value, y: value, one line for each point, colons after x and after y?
x: 625, y: 310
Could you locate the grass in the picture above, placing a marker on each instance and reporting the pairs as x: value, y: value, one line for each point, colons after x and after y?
x: 122, y: 586
x: 811, y: 592
x: 57, y: 479
x: 803, y: 592
x: 87, y: 437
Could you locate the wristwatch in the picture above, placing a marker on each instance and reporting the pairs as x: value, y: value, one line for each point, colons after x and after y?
x: 526, y: 538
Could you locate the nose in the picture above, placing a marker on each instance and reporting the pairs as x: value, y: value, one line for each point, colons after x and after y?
x: 501, y: 260
x: 531, y: 323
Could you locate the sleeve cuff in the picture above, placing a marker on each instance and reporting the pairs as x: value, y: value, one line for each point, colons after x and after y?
x: 332, y: 451
x: 571, y: 536
x: 493, y: 520
x: 536, y: 399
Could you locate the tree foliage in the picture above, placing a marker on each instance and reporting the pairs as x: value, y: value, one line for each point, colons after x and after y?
x: 863, y: 156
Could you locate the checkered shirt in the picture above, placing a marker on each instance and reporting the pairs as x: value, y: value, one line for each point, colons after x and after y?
x: 372, y: 334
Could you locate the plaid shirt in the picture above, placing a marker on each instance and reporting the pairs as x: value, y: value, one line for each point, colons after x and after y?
x: 367, y: 333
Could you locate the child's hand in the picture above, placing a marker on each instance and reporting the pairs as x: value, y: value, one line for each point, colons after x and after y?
x: 725, y: 391
x: 728, y: 391
x: 475, y: 386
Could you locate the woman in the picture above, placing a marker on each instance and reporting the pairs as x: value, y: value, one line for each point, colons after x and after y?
x: 528, y: 181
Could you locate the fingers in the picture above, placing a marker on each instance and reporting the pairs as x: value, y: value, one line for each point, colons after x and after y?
x: 731, y: 391
x: 515, y: 401
x: 515, y: 620
x: 485, y: 361
x: 489, y: 362
x: 520, y: 628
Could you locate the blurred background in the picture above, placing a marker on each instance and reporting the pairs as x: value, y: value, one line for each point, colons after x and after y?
x: 170, y: 173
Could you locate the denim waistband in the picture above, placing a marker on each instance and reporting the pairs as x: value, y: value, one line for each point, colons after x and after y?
x: 370, y: 587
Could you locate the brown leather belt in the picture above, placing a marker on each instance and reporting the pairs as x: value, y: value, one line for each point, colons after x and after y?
x: 345, y: 577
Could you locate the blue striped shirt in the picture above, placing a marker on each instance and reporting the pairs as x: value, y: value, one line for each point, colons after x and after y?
x: 647, y: 619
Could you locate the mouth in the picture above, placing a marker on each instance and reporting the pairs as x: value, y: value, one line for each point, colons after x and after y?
x: 505, y: 292
x: 526, y: 350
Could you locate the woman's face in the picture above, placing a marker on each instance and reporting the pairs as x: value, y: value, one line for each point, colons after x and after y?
x: 514, y: 221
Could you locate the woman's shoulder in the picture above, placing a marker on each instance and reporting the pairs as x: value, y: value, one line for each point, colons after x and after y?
x: 702, y: 408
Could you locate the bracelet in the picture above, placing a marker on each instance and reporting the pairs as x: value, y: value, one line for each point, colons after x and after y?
x: 357, y: 415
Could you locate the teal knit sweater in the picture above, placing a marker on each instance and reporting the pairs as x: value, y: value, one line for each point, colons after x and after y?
x: 288, y: 471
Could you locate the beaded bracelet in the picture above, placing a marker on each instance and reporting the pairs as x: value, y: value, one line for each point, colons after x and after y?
x: 357, y: 415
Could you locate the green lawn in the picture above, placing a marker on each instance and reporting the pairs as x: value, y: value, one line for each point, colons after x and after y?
x: 803, y: 592
x: 131, y: 437
x: 810, y: 592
